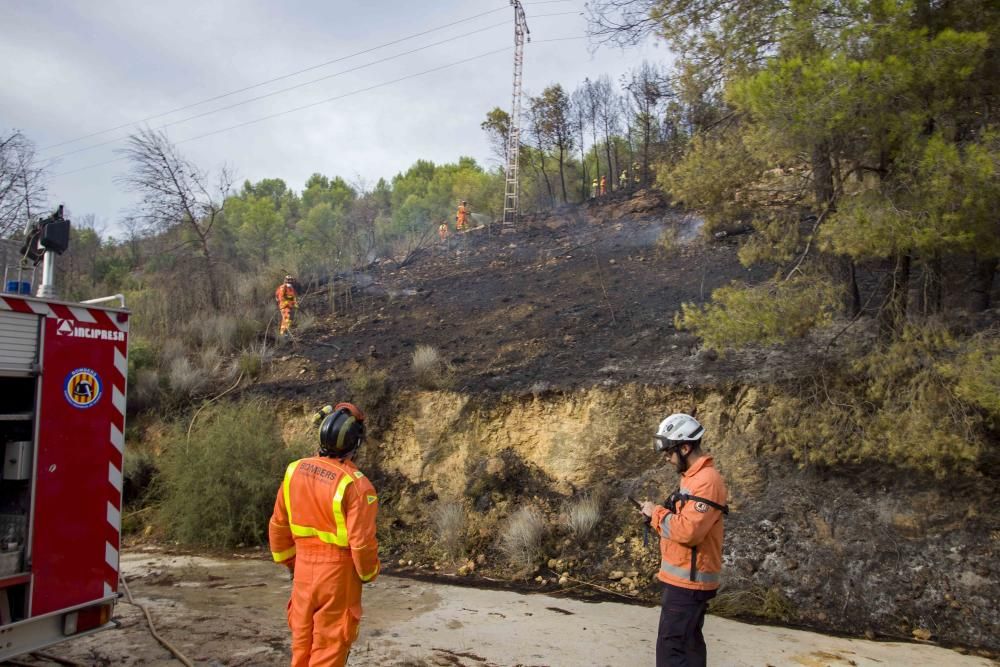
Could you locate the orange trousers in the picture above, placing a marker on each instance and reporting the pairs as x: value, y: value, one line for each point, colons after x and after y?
x: 324, y: 611
x: 286, y: 319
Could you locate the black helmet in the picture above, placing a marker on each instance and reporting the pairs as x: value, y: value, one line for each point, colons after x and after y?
x: 342, y: 431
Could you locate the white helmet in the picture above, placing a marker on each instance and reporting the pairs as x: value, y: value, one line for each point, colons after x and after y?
x: 676, y: 430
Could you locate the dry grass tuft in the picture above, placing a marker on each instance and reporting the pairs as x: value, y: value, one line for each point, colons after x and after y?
x: 583, y: 515
x: 769, y: 603
x: 185, y: 378
x: 521, y: 537
x: 369, y: 388
x: 430, y: 370
x: 303, y: 322
x: 449, y: 528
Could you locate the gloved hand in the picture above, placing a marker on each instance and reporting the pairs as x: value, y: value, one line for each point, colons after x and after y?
x: 322, y: 414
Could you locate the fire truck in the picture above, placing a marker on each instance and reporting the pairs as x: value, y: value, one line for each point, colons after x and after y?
x: 63, y: 369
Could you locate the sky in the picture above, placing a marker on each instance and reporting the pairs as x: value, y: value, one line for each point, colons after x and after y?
x: 75, y: 69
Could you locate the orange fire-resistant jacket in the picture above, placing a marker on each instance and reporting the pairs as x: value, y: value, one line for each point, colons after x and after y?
x: 326, y: 506
x: 462, y: 215
x: 285, y: 296
x: 691, y: 539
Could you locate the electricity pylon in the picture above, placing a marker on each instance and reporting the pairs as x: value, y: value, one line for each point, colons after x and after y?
x: 514, y: 132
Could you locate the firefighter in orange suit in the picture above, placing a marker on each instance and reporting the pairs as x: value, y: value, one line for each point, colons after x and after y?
x: 604, y: 185
x: 443, y: 232
x: 288, y: 301
x: 323, y: 530
x: 690, y: 529
x: 461, y: 217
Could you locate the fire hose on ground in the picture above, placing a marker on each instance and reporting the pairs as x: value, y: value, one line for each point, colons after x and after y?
x: 152, y: 629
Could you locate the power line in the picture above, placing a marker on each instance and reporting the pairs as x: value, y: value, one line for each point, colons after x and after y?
x: 290, y: 88
x: 305, y: 106
x: 281, y: 91
x: 278, y: 78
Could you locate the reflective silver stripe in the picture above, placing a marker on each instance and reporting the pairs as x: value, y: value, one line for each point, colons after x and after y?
x: 685, y: 573
x: 665, y: 526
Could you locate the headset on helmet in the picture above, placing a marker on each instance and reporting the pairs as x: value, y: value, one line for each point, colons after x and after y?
x: 676, y: 430
x: 341, y: 429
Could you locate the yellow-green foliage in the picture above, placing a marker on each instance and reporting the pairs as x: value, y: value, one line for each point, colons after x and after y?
x: 976, y: 372
x: 713, y: 177
x: 219, y: 487
x: 369, y: 388
x: 767, y: 314
x: 908, y: 404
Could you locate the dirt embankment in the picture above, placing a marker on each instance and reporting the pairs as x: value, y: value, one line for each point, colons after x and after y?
x: 867, y: 552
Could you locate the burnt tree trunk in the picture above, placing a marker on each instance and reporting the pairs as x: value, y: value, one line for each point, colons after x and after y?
x: 892, y: 316
x: 982, y: 284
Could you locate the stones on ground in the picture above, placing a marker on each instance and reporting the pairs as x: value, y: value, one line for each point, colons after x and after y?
x: 620, y: 540
x: 615, y: 575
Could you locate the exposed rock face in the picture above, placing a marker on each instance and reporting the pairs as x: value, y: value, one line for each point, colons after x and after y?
x: 870, y: 549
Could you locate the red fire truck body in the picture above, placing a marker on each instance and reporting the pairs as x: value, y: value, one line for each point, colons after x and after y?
x: 63, y: 369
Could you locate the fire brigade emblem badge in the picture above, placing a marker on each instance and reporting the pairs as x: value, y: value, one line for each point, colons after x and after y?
x: 701, y: 507
x: 64, y: 327
x: 83, y: 388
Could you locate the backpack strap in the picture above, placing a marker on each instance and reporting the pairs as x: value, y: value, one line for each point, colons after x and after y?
x: 678, y: 497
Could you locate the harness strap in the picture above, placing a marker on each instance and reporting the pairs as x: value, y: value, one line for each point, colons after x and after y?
x: 684, y: 497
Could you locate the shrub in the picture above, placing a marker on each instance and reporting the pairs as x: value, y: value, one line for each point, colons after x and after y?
x: 304, y: 322
x: 141, y: 355
x: 140, y: 469
x: 219, y: 486
x: 668, y: 242
x: 582, y: 516
x: 210, y: 359
x: 521, y: 538
x: 769, y: 603
x: 767, y: 314
x: 430, y: 370
x: 250, y: 363
x: 904, y: 404
x: 185, y: 378
x: 449, y: 528
x: 173, y: 348
x: 144, y: 390
x: 369, y: 387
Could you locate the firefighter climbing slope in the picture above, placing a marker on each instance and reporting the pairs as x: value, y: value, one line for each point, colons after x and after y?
x: 288, y: 301
x: 323, y: 530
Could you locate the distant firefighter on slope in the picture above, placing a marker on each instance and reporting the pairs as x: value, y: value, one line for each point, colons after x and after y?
x: 462, y: 217
x: 288, y: 301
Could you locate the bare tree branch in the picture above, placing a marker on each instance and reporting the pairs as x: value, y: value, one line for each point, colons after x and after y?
x: 22, y: 185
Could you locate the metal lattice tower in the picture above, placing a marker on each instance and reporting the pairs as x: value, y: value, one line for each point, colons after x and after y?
x: 521, y: 33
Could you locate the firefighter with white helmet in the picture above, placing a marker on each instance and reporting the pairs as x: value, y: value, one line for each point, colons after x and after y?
x: 689, y: 524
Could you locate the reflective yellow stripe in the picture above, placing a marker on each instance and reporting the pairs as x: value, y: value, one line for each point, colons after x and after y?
x: 369, y: 577
x: 340, y: 538
x: 281, y: 556
x: 338, y: 510
x: 286, y: 486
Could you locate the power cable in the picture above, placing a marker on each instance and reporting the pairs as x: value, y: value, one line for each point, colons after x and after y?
x: 324, y: 101
x: 296, y: 86
x: 304, y: 106
x: 278, y: 78
x: 278, y: 92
